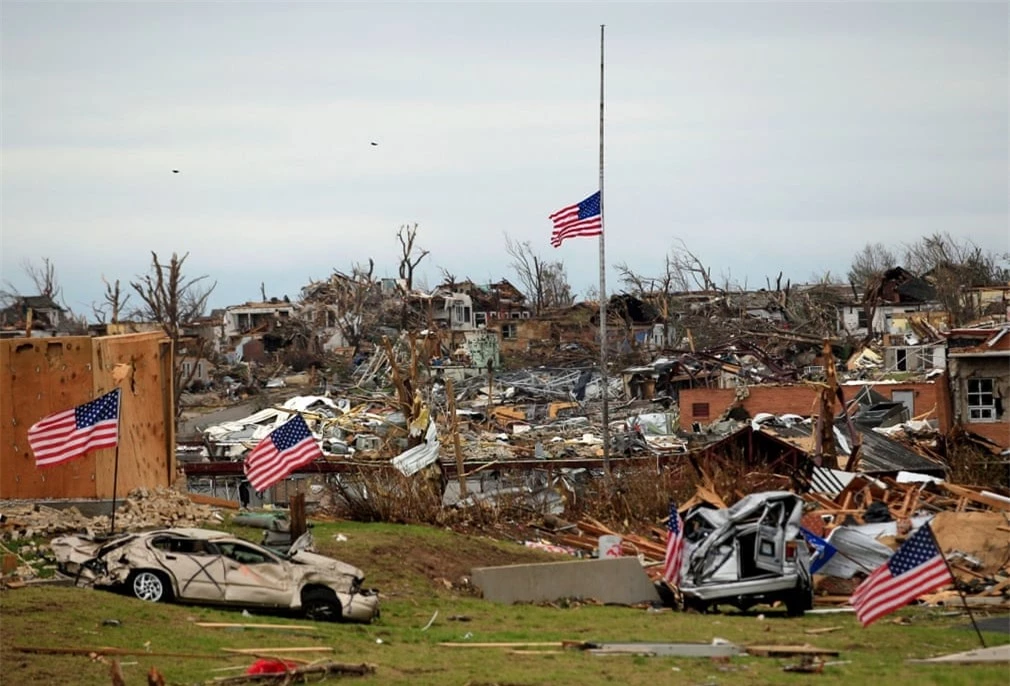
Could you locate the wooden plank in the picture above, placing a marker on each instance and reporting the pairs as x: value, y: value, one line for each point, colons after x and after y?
x: 115, y: 651
x: 969, y: 494
x: 299, y: 649
x: 43, y: 376
x: 787, y: 650
x: 506, y: 644
x: 234, y: 625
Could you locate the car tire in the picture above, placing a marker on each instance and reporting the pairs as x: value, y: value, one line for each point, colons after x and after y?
x: 321, y: 605
x: 798, y: 601
x: 150, y: 586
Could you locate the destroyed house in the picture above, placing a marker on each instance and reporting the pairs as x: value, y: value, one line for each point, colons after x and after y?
x: 703, y: 406
x: 886, y: 306
x: 45, y: 313
x: 978, y: 363
x: 877, y: 454
x: 491, y: 302
x: 253, y: 317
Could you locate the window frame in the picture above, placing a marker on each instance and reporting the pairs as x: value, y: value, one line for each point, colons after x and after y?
x: 981, y: 403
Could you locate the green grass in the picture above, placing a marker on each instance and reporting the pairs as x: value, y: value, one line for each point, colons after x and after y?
x: 407, y: 562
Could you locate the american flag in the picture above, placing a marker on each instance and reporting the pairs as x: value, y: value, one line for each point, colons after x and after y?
x: 287, y: 448
x: 917, y: 567
x: 674, y: 547
x: 72, y: 433
x: 581, y: 219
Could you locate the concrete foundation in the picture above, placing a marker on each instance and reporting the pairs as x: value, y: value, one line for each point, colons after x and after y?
x: 620, y: 581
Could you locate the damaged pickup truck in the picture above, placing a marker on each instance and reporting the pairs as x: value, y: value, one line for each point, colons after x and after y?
x: 201, y: 566
x: 747, y: 554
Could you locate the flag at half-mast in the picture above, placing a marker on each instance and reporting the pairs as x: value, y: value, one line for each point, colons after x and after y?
x: 72, y: 433
x: 581, y: 219
x: 287, y: 448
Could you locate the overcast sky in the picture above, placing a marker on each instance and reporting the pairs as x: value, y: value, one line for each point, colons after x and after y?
x: 765, y: 136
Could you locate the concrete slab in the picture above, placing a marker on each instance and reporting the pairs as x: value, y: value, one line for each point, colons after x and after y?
x: 979, y: 656
x: 620, y: 581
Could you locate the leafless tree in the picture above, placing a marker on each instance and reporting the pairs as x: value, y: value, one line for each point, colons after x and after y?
x: 683, y: 272
x: 448, y: 278
x: 43, y: 277
x: 410, y: 256
x: 543, y: 282
x: 175, y: 301
x: 112, y: 305
x: 953, y: 265
x: 869, y: 264
x: 557, y: 292
x: 352, y: 302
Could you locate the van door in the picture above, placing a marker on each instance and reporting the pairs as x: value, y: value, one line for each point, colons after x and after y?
x: 769, y: 546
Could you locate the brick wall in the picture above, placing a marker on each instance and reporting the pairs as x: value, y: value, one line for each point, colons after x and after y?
x: 706, y: 405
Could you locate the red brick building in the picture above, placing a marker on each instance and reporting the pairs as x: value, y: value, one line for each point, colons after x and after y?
x: 925, y: 400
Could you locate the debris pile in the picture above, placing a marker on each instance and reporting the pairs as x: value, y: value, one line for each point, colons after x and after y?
x: 142, y: 509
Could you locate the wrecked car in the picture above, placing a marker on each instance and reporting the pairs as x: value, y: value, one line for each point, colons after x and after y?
x: 747, y: 554
x: 201, y: 566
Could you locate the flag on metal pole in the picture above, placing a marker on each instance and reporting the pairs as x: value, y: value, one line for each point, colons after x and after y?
x: 581, y: 219
x: 916, y: 568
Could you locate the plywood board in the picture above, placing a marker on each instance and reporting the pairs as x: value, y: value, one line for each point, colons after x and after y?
x: 41, y: 376
x: 134, y: 364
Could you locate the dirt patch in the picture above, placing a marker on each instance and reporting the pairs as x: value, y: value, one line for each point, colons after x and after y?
x: 444, y: 564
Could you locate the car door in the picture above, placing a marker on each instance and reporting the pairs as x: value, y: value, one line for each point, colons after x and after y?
x: 769, y: 550
x: 196, y: 566
x: 254, y: 576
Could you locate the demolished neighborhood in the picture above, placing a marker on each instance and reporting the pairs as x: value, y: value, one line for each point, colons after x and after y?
x: 293, y: 440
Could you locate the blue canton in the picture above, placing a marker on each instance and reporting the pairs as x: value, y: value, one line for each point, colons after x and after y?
x: 673, y: 523
x: 590, y: 207
x: 98, y: 410
x: 918, y: 549
x: 290, y: 434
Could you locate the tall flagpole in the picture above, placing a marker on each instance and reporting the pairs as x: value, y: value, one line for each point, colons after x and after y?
x: 604, y: 381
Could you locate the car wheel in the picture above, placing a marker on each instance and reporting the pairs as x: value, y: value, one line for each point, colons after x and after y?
x: 798, y: 601
x: 150, y: 586
x: 321, y: 605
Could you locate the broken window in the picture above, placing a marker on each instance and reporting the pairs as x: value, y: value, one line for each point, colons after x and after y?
x: 243, y: 554
x: 902, y: 359
x: 861, y: 320
x: 699, y: 410
x: 981, y: 400
x: 509, y: 331
x: 480, y: 319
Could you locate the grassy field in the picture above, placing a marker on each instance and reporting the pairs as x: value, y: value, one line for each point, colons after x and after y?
x: 415, y: 567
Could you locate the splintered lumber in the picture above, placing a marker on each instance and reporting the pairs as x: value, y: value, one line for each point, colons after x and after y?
x: 114, y: 651
x: 235, y: 625
x: 786, y: 651
x: 298, y: 674
x: 977, y: 498
x: 303, y: 649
